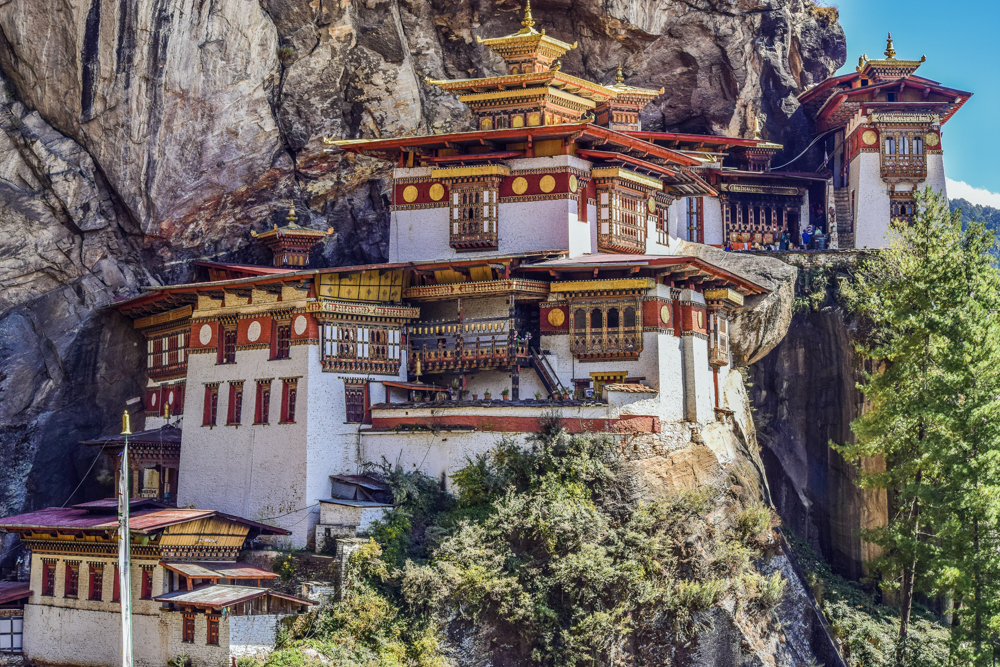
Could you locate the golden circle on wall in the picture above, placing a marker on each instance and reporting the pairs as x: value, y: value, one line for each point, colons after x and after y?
x: 547, y: 184
x: 869, y: 137
x: 410, y: 193
x: 437, y: 192
x: 932, y: 139
x: 651, y: 205
x: 665, y: 314
x: 520, y: 185
x: 572, y: 183
x: 556, y: 317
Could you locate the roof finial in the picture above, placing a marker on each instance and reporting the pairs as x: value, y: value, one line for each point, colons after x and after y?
x: 528, y: 22
x: 619, y: 78
x: 291, y: 217
x: 756, y: 128
x: 890, y: 52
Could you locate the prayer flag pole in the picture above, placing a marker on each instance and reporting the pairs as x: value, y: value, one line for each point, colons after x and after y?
x: 124, y: 560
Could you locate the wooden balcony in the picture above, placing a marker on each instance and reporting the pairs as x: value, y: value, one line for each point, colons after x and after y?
x: 622, y: 237
x: 473, y: 234
x: 604, y: 344
x: 170, y: 371
x: 904, y: 166
x: 478, y: 355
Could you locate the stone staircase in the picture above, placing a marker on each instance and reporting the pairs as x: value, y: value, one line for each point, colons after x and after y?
x: 845, y: 221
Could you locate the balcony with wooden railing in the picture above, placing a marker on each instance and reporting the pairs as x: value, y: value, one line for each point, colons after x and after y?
x: 904, y: 166
x: 599, y: 344
x: 481, y: 344
x: 166, y: 364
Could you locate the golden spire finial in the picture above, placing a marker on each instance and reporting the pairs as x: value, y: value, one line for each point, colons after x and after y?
x: 528, y: 22
x: 291, y: 217
x: 126, y: 424
x: 890, y: 52
x: 619, y: 78
x: 756, y: 128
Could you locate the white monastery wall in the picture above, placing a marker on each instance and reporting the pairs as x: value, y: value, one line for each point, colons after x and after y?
x: 420, y: 234
x: 871, y: 223
x: 544, y: 224
x: 704, y: 383
x: 671, y: 386
x: 935, y: 173
x: 252, y: 636
x: 201, y: 653
x: 63, y: 636
x: 674, y: 217
x: 362, y: 518
x: 712, y: 218
x: 568, y: 368
x: 252, y: 471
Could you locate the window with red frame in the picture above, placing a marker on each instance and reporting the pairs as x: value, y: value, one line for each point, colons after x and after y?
x: 262, y: 406
x: 187, y: 633
x: 147, y: 584
x: 211, y: 411
x: 282, y: 340
x: 71, y: 587
x: 95, y: 583
x: 212, y: 636
x: 227, y: 350
x: 235, y: 414
x: 289, y: 393
x: 48, y: 578
x: 116, y: 591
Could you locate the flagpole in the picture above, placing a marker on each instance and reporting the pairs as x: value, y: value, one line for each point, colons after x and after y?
x: 124, y: 560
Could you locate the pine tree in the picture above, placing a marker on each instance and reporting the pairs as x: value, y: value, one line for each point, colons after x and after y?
x: 930, y: 304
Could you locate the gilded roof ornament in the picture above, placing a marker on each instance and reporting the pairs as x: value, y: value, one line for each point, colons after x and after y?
x: 619, y: 78
x: 890, y: 52
x: 528, y: 21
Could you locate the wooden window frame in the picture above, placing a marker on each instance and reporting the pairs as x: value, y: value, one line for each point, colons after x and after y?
x: 605, y: 342
x: 210, y: 410
x: 95, y: 582
x: 356, y: 408
x: 473, y: 215
x: 227, y: 345
x: 146, y: 590
x: 262, y: 403
x: 361, y: 347
x: 187, y: 628
x: 116, y: 589
x: 234, y: 413
x: 289, y: 398
x: 49, y: 578
x: 72, y: 581
x: 281, y: 341
x: 695, y: 218
x: 211, y: 630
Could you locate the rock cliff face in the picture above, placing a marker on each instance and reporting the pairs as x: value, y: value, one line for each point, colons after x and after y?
x: 140, y: 134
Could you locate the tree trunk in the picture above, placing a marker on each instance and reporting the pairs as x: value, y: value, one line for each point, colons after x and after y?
x: 909, y: 573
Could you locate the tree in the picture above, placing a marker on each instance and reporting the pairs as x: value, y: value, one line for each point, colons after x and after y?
x: 929, y: 306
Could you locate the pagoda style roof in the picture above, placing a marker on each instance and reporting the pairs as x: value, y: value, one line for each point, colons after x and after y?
x: 527, y: 41
x: 679, y: 267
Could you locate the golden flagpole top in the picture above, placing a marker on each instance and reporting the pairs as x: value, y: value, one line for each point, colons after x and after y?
x: 126, y: 424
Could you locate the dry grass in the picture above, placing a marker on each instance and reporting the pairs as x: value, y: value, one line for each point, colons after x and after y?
x: 824, y: 14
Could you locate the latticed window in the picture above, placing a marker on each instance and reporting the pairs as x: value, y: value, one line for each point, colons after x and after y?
x: 235, y: 414
x: 96, y: 581
x: 166, y: 355
x: 718, y: 338
x: 289, y: 394
x: 903, y: 154
x: 48, y: 577
x: 473, y: 216
x: 211, y: 408
x: 624, y: 217
x: 606, y: 330
x: 369, y: 349
x: 902, y: 206
x: 212, y: 629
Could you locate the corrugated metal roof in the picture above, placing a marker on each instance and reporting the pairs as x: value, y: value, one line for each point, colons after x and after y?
x: 165, y: 435
x: 361, y: 480
x: 14, y: 590
x: 216, y: 570
x: 143, y: 521
x: 356, y: 503
x: 223, y: 595
x: 111, y: 504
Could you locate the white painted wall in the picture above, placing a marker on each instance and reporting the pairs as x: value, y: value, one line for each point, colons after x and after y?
x: 361, y: 518
x: 871, y: 222
x: 714, y: 233
x: 89, y: 638
x: 935, y: 173
x: 252, y: 635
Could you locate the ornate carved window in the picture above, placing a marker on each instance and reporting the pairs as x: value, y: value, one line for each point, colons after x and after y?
x: 48, y: 577
x: 166, y: 355
x: 902, y: 206
x: 624, y: 216
x: 281, y: 343
x: 606, y: 330
x: 71, y: 586
x: 235, y: 414
x: 473, y: 216
x: 211, y: 408
x: 903, y: 154
x: 718, y: 337
x: 227, y: 347
x: 95, y: 582
x: 361, y: 348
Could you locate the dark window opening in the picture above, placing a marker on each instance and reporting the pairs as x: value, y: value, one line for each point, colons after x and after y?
x: 48, y: 578
x: 96, y: 587
x: 354, y: 396
x: 212, y: 635
x: 289, y: 391
x: 227, y: 352
x: 71, y: 586
x: 146, y: 592
x: 262, y: 407
x: 282, y: 340
x: 188, y: 630
x: 211, y: 410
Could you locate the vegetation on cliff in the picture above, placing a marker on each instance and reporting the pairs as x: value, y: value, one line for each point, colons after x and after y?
x: 549, y: 557
x: 930, y: 306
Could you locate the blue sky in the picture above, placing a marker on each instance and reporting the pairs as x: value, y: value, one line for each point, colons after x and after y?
x: 960, y: 39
